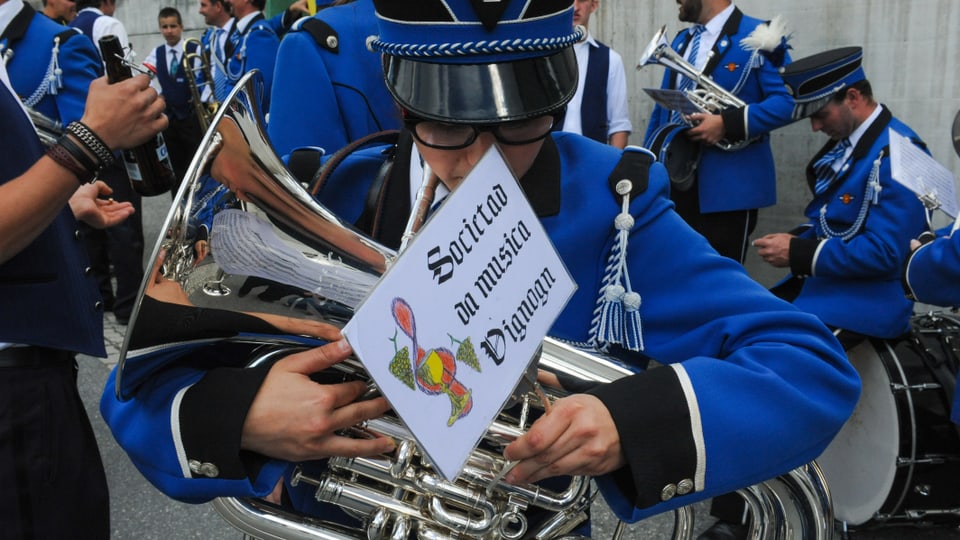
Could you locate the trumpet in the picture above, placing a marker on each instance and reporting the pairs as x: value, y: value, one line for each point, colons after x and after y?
x: 196, y: 66
x: 706, y: 95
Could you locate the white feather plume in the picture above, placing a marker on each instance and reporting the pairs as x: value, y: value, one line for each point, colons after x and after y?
x: 767, y: 37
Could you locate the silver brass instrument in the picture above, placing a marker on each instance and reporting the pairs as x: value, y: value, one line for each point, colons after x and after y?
x: 196, y: 66
x: 393, y: 496
x: 706, y: 95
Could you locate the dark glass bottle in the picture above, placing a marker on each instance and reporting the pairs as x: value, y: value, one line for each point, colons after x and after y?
x: 148, y: 165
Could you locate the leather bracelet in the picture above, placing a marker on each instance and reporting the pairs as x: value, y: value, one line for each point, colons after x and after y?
x: 63, y: 157
x: 93, y: 143
x: 78, y: 153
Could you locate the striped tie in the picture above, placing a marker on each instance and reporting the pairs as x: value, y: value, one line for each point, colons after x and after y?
x: 824, y: 167
x: 687, y: 83
x: 220, y: 89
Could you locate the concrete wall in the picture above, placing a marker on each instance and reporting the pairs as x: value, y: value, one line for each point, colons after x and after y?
x: 911, y: 55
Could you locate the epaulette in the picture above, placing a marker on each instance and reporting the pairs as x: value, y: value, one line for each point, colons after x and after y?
x: 616, y: 319
x: 67, y: 34
x: 634, y: 166
x: 323, y: 34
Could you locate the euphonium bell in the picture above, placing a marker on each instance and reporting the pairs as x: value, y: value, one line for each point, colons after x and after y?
x: 245, y: 244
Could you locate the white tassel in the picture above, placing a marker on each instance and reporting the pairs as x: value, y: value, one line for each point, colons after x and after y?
x: 767, y: 37
x: 611, y: 315
x: 56, y: 78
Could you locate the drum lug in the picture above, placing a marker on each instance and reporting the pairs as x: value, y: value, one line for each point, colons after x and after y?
x: 925, y: 460
x: 897, y: 387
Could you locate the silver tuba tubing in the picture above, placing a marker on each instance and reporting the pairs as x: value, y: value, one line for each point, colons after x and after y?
x: 393, y: 496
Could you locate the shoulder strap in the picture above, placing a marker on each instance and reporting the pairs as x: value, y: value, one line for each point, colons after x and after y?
x: 634, y: 165
x: 324, y: 34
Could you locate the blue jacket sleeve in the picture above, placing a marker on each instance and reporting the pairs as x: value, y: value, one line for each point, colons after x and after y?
x: 186, y: 441
x: 933, y: 272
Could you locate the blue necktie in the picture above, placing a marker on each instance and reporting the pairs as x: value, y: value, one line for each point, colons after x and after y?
x: 687, y: 83
x: 174, y: 63
x: 824, y: 167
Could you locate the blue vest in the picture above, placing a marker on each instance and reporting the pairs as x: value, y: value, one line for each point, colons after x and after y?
x: 593, y: 106
x: 48, y: 299
x: 84, y: 21
x: 176, y: 93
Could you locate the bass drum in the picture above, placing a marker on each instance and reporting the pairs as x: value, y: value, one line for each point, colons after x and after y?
x: 897, y: 460
x: 678, y: 154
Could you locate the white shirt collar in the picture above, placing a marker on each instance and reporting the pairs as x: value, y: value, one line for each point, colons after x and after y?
x: 177, y: 47
x: 93, y: 9
x: 243, y: 23
x: 719, y: 20
x: 854, y: 137
x: 8, y: 11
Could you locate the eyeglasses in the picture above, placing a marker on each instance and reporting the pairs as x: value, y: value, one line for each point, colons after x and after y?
x: 446, y: 136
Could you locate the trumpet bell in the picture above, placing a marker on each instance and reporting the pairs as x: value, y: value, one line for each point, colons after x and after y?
x: 246, y: 250
x: 652, y: 52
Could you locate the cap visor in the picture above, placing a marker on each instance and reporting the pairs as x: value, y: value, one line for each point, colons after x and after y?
x: 483, y: 93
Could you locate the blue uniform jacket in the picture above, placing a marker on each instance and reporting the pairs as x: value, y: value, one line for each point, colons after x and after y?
x: 254, y: 48
x: 50, y: 270
x: 328, y: 87
x: 932, y: 274
x: 751, y: 387
x: 45, y: 47
x: 743, y: 179
x: 852, y: 251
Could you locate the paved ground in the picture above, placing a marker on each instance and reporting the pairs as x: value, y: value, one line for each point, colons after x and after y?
x: 140, y: 512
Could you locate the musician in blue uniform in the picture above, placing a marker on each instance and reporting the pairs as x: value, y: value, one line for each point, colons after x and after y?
x: 932, y: 276
x: 50, y: 66
x: 53, y: 479
x: 846, y: 261
x: 932, y: 273
x: 738, y: 364
x: 183, y: 135
x: 328, y: 87
x: 251, y: 43
x: 741, y: 54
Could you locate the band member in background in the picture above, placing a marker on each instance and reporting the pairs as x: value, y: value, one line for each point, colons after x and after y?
x: 251, y: 43
x: 729, y: 186
x: 116, y: 253
x: 183, y: 135
x: 216, y: 15
x: 599, y: 108
x: 61, y: 11
x: 54, y: 485
x: 846, y: 262
x: 50, y: 66
x: 737, y: 362
x: 326, y: 58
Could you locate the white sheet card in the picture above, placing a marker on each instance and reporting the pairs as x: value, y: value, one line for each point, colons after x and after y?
x: 673, y: 100
x: 454, y: 323
x: 921, y: 174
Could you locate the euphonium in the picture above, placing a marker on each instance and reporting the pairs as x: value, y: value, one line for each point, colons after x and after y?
x: 299, y: 262
x: 706, y: 95
x: 196, y: 66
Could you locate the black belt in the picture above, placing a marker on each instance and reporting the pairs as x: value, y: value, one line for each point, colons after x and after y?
x: 21, y: 357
